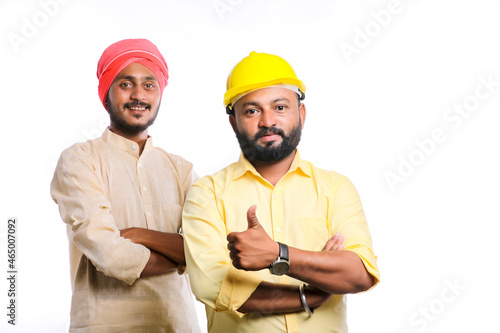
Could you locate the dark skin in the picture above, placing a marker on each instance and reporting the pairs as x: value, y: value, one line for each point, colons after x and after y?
x: 167, y: 249
x: 134, y: 100
x: 158, y: 264
x: 327, y: 272
x: 288, y: 300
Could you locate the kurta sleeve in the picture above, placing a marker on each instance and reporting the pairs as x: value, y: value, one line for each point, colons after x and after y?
x: 78, y: 189
x: 214, y: 280
x: 190, y: 178
x: 348, y: 218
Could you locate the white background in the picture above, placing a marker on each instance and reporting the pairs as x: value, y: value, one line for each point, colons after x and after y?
x: 381, y: 78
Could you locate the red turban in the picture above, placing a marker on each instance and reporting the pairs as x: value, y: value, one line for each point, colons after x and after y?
x: 121, y: 54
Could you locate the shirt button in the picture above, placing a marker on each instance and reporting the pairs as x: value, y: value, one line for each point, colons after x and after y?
x: 275, y: 196
x: 149, y: 213
x: 144, y: 188
x: 278, y: 229
x: 139, y: 164
x: 133, y: 147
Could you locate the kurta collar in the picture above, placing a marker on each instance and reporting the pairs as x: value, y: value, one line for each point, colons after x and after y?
x: 125, y: 144
x: 243, y: 166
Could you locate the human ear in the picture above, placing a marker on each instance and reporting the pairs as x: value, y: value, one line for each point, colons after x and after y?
x: 302, y: 114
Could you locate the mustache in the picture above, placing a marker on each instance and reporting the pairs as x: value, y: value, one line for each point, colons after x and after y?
x: 269, y: 130
x: 137, y: 104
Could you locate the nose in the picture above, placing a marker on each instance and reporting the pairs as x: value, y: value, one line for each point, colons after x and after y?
x: 138, y: 93
x: 267, y: 119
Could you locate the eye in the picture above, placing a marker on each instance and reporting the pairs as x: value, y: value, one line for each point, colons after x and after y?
x: 251, y: 111
x: 281, y: 107
x: 125, y: 84
x: 149, y: 86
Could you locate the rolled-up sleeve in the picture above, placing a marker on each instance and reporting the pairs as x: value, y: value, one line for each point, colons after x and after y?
x: 78, y: 190
x: 349, y: 219
x: 214, y: 280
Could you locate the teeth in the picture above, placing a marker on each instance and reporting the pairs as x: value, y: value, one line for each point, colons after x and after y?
x: 138, y: 108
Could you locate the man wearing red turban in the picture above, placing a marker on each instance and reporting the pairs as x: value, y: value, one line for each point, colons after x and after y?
x: 121, y: 199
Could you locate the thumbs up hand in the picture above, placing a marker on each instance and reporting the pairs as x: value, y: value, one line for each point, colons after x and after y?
x: 253, y: 222
x: 252, y: 249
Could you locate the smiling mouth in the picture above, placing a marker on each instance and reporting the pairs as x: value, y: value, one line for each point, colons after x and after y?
x: 268, y: 132
x: 269, y: 137
x: 137, y: 108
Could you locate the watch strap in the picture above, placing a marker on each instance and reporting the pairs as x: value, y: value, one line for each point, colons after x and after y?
x: 283, y: 251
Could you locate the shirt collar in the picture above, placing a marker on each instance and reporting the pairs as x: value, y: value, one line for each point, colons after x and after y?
x: 125, y: 144
x: 243, y: 166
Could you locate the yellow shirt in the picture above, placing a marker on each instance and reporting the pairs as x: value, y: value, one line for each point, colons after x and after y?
x: 101, y: 187
x: 305, y: 208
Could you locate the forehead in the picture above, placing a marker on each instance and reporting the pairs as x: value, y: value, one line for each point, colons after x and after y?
x: 268, y: 95
x: 136, y: 71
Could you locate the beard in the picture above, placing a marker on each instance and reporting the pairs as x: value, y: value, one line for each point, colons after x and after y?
x: 116, y: 117
x: 270, y: 152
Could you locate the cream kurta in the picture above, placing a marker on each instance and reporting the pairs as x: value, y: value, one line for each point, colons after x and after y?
x: 101, y: 187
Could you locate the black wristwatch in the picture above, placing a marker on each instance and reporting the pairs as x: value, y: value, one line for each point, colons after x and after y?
x: 282, y: 264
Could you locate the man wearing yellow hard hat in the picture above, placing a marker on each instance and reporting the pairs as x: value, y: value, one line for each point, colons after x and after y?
x: 273, y: 243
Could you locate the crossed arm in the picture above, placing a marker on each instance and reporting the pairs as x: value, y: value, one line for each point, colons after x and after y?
x: 83, y: 205
x: 167, y: 249
x: 330, y: 271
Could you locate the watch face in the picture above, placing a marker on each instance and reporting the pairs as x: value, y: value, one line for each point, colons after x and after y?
x: 280, y: 267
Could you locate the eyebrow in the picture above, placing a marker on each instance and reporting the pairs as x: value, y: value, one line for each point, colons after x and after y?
x: 132, y: 78
x: 280, y: 99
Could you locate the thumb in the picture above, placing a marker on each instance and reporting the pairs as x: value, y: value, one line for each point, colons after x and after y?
x: 253, y: 222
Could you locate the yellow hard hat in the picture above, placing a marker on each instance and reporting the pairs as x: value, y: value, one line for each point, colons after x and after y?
x: 259, y: 70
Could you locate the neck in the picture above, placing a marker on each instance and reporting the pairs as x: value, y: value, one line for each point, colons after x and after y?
x: 273, y: 172
x: 139, y: 138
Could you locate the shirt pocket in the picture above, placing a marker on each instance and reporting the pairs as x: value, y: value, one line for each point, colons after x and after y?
x: 315, y: 233
x: 171, y: 217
